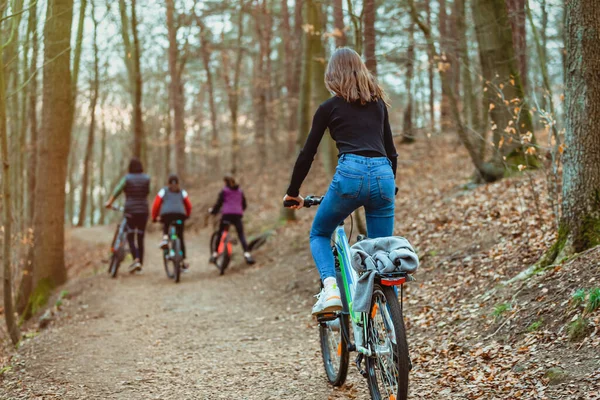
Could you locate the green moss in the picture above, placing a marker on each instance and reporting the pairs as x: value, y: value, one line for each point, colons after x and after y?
x: 554, y: 251
x: 578, y: 329
x: 500, y: 309
x: 40, y: 295
x: 590, y: 234
x: 578, y: 298
x: 534, y: 326
x: 555, y: 375
x: 593, y: 301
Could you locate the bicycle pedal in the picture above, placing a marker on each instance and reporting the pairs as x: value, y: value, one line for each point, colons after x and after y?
x: 358, y: 363
x: 327, y: 317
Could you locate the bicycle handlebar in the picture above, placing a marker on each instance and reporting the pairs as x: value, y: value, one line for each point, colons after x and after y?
x: 309, y: 201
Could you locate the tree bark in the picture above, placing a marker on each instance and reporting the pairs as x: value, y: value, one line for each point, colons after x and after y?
x: 407, y: 130
x: 580, y: 222
x: 516, y: 15
x: 176, y: 91
x: 139, y: 139
x: 102, y: 179
x: 26, y: 284
x: 338, y: 23
x: 430, y: 74
x: 470, y: 103
x: 509, y: 111
x: 89, y: 151
x: 54, y: 144
x: 9, y: 314
x: 445, y: 116
x: 206, y: 54
x: 233, y: 86
x: 370, y: 10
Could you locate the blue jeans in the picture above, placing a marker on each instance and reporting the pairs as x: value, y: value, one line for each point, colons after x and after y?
x: 358, y: 181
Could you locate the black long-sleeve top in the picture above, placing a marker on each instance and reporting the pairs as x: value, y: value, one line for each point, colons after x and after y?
x: 357, y: 129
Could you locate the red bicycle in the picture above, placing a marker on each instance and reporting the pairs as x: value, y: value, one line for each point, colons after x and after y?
x: 223, y: 246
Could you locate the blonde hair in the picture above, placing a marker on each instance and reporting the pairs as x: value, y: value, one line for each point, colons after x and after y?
x: 347, y: 76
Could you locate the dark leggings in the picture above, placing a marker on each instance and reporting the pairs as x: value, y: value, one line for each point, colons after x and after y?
x: 235, y: 220
x: 136, y: 223
x: 167, y: 220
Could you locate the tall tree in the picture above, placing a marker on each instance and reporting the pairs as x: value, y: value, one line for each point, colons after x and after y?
x: 338, y: 23
x: 177, y: 101
x: 54, y: 144
x: 580, y: 222
x: 206, y: 53
x: 509, y: 111
x: 7, y: 255
x: 407, y: 130
x: 370, y: 10
x: 232, y: 84
x: 89, y: 150
x: 516, y: 15
x: 430, y: 74
x: 446, y: 61
x: 132, y: 62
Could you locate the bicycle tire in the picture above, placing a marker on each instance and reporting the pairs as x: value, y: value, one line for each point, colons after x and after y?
x: 336, y: 368
x: 388, y: 312
x: 177, y: 260
x: 223, y: 260
x: 113, y: 267
x: 166, y: 264
x: 214, y: 242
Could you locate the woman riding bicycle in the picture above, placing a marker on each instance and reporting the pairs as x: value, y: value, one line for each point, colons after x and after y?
x: 358, y: 121
x: 232, y: 204
x: 136, y: 185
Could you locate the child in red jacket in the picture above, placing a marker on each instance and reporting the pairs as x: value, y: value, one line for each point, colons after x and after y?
x: 172, y: 204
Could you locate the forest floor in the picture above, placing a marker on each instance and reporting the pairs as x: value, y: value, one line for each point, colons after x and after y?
x: 249, y: 335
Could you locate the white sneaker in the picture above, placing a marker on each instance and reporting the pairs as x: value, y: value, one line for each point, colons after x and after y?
x: 329, y: 300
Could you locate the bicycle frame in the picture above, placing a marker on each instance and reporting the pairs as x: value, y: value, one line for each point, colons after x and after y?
x: 225, y: 244
x: 349, y: 279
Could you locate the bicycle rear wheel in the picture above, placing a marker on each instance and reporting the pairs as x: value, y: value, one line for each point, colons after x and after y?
x: 113, y: 267
x: 166, y: 262
x: 388, y: 367
x: 223, y: 259
x: 334, y: 349
x: 214, y: 241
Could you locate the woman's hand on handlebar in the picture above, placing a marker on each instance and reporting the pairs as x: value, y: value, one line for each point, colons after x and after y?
x: 299, y: 199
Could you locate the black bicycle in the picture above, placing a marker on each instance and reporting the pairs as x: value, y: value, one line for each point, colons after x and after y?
x: 118, y: 247
x: 173, y: 253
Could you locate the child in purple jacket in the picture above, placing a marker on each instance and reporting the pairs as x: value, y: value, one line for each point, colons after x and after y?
x: 232, y: 204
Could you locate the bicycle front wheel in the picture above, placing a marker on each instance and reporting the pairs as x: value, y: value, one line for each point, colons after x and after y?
x: 388, y: 367
x: 177, y: 259
x: 334, y: 349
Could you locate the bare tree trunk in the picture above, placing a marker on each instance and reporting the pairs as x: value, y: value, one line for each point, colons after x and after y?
x: 318, y: 20
x: 357, y: 27
x: 407, y: 131
x: 470, y: 103
x: 102, y: 179
x: 206, y: 54
x: 338, y: 23
x: 581, y: 177
x: 505, y: 97
x: 176, y: 90
x: 445, y: 57
x: 54, y: 144
x: 9, y: 314
x: 139, y: 141
x: 370, y: 9
x: 516, y: 15
x: 26, y: 284
x: 91, y: 131
x: 430, y: 75
x: 234, y: 87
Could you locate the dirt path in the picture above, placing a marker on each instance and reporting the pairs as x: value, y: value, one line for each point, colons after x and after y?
x: 210, y: 337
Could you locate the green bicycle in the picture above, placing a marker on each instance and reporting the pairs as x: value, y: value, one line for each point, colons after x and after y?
x: 173, y: 254
x: 379, y: 335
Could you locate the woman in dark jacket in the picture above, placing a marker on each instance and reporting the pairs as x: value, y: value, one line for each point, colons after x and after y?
x: 136, y: 185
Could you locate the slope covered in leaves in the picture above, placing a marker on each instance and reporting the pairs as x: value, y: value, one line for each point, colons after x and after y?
x: 471, y: 335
